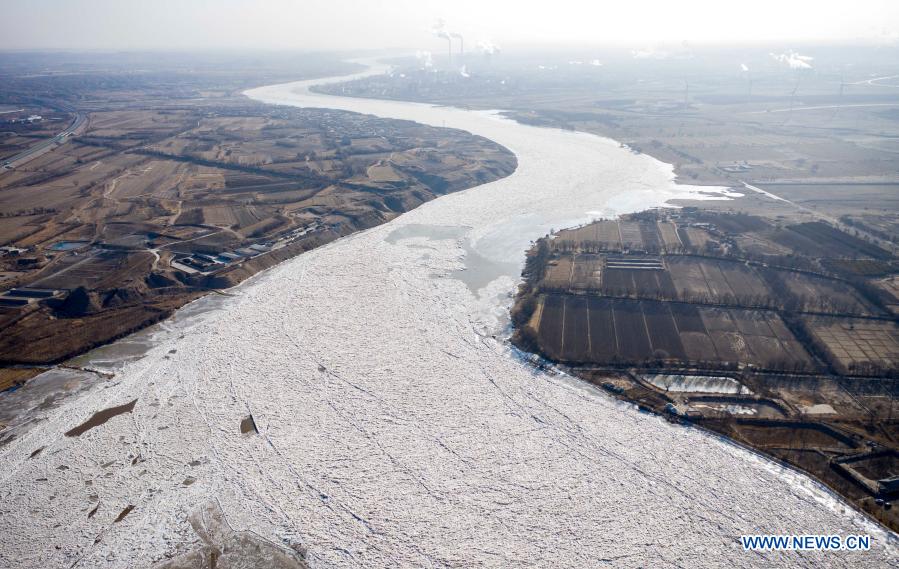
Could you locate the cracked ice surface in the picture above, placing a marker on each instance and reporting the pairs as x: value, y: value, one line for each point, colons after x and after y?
x: 394, y: 430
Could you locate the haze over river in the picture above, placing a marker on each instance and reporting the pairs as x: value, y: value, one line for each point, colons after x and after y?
x: 395, y: 430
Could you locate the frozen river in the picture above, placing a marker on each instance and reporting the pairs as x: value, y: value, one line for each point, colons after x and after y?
x: 395, y: 429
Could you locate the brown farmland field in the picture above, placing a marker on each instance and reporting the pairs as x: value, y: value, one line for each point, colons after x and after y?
x: 585, y: 328
x: 856, y: 345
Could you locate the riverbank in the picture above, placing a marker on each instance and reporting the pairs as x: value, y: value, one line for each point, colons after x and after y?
x: 167, y: 204
x: 394, y: 425
x: 689, y: 314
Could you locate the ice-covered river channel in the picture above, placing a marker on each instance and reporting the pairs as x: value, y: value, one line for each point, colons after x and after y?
x: 396, y: 428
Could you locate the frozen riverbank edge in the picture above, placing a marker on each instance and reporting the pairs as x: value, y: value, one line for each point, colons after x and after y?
x: 393, y: 428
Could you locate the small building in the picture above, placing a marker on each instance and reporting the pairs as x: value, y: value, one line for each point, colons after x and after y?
x: 11, y: 251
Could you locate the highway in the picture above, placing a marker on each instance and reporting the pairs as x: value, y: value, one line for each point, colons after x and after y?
x: 45, y: 145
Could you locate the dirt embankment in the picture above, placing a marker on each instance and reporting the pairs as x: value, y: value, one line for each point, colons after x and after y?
x: 736, y: 324
x: 59, y: 329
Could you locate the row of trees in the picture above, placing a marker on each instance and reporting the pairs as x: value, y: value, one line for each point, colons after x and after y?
x: 525, y: 337
x: 27, y: 212
x: 528, y: 339
x: 785, y: 301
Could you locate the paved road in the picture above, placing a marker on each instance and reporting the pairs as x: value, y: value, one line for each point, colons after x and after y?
x: 820, y: 108
x: 45, y: 145
x: 826, y: 218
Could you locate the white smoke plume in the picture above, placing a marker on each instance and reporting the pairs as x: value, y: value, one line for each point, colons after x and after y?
x: 887, y: 36
x: 425, y: 58
x: 793, y: 60
x: 649, y: 53
x: 487, y: 47
x: 464, y: 72
x: 744, y: 67
x: 439, y: 30
x: 681, y: 51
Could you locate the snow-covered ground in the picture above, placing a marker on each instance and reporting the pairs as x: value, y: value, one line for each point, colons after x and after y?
x: 394, y: 429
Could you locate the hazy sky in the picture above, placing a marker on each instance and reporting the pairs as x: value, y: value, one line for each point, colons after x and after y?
x: 350, y: 24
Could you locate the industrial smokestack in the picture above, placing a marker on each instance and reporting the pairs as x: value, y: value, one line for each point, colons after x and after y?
x: 836, y: 110
x: 459, y: 37
x: 745, y: 69
x: 793, y: 95
x: 439, y: 30
x: 449, y: 43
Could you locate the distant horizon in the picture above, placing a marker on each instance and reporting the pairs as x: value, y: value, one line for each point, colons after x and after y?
x: 518, y: 49
x: 346, y: 25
